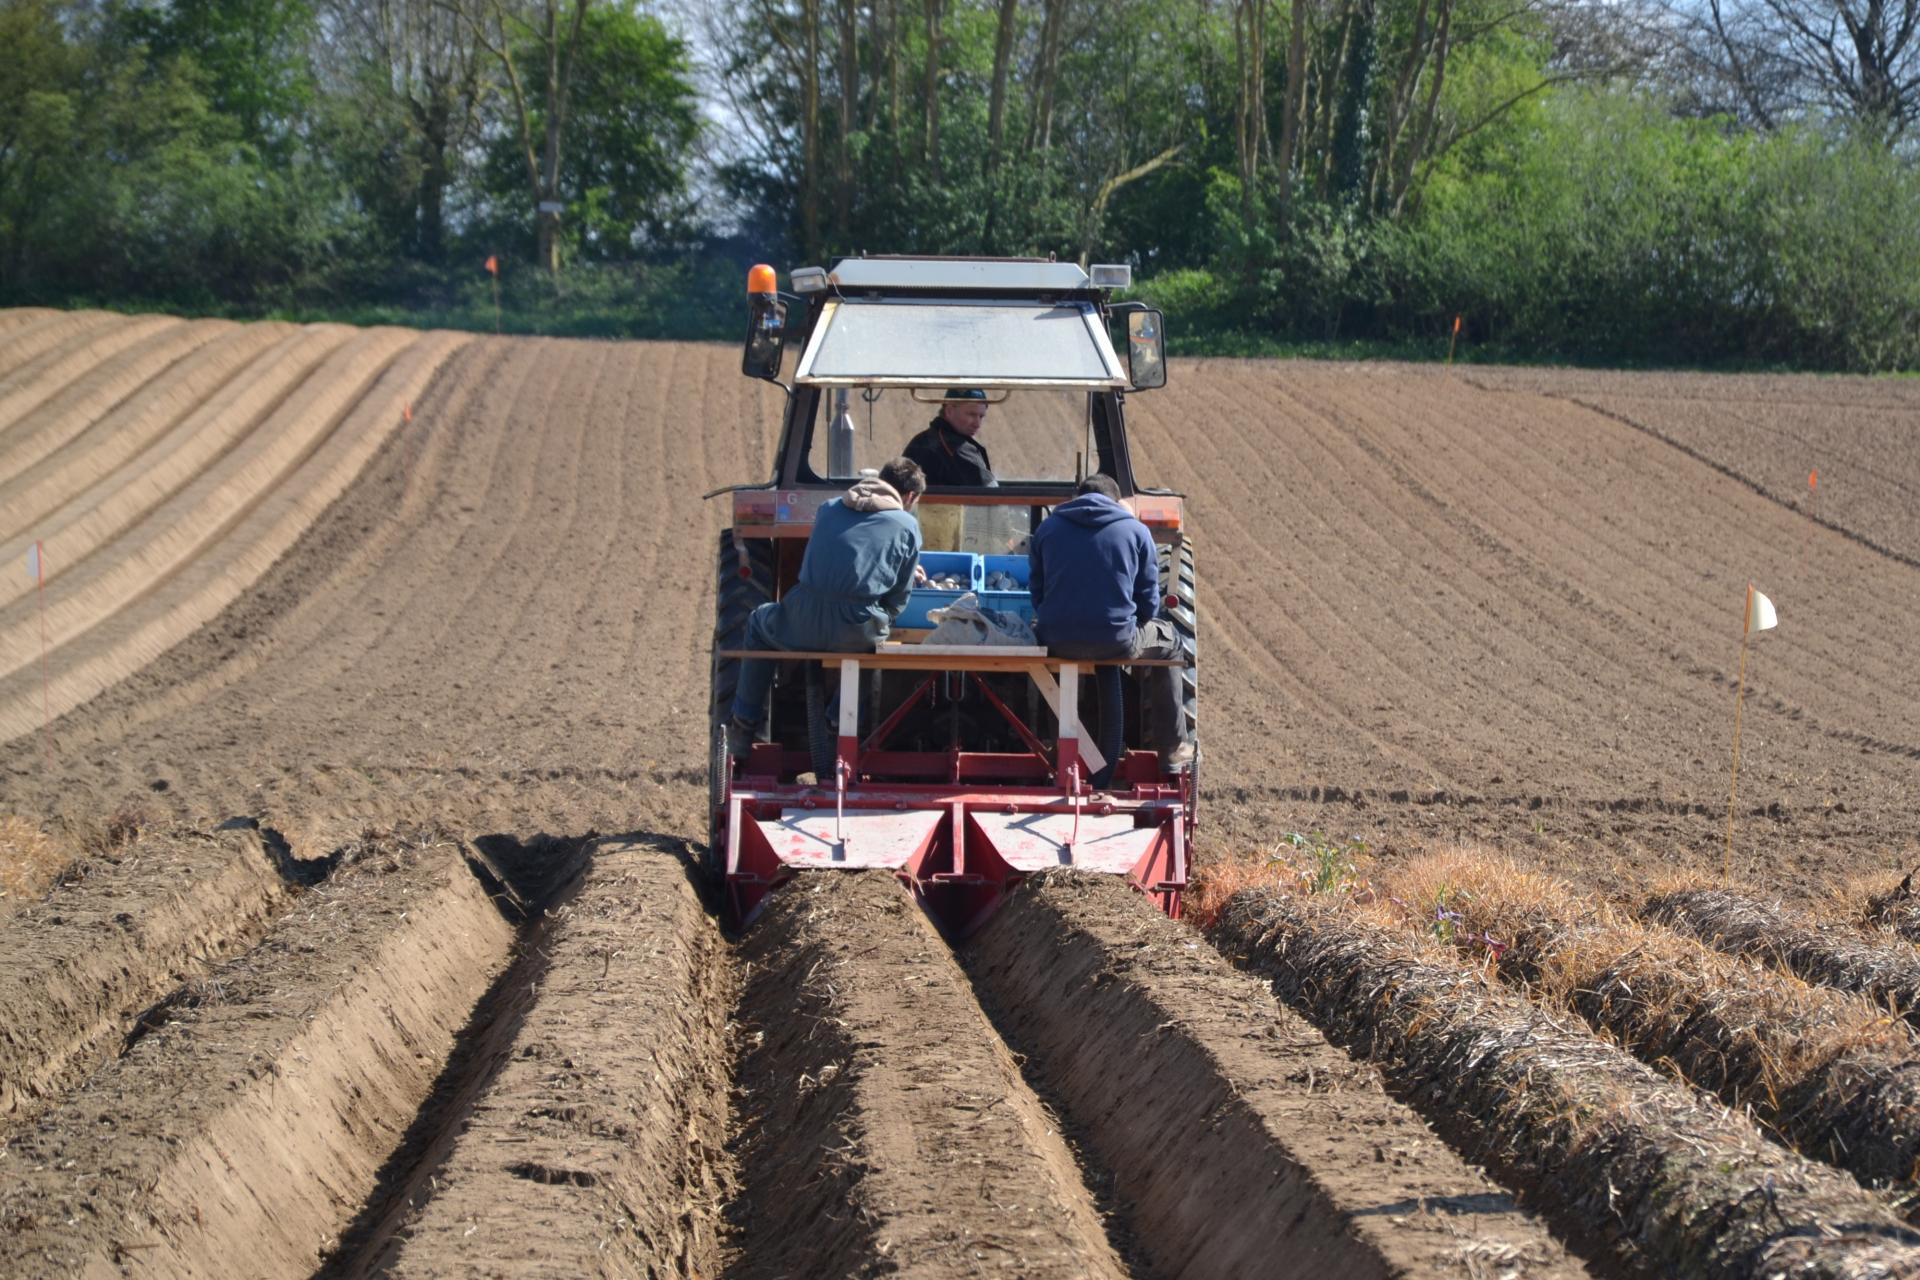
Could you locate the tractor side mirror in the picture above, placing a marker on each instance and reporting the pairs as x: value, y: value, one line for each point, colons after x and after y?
x: 1146, y: 349
x: 766, y: 336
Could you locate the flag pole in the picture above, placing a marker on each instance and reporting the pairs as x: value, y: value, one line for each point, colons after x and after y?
x: 1450, y: 345
x: 46, y: 707
x: 1739, y: 698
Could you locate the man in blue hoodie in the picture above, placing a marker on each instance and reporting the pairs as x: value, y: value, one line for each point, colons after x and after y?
x: 854, y: 580
x: 1096, y: 595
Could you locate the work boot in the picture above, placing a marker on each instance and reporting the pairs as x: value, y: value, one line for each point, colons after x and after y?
x: 1178, y: 760
x: 740, y: 736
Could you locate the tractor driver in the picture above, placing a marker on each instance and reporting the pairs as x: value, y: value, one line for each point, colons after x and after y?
x: 858, y: 570
x: 949, y: 450
x: 1096, y: 595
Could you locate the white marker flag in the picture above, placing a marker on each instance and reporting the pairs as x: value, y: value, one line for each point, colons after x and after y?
x: 1760, y: 613
x: 36, y: 566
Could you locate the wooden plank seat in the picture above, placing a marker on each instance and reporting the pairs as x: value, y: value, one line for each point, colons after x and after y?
x: 946, y: 658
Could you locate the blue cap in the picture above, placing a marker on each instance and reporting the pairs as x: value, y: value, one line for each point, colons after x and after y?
x: 964, y: 393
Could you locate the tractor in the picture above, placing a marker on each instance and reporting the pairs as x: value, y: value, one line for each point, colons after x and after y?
x: 959, y: 768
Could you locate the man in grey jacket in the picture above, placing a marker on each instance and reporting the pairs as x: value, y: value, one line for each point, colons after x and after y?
x: 854, y: 581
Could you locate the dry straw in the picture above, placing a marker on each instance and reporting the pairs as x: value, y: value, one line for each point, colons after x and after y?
x: 1832, y: 955
x: 1828, y: 1071
x: 1624, y: 1161
x: 30, y: 861
x: 1897, y: 911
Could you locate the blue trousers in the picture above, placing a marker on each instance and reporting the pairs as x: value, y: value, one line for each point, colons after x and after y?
x: 800, y: 623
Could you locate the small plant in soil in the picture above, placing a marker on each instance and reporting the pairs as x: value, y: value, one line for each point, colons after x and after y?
x: 1327, y: 866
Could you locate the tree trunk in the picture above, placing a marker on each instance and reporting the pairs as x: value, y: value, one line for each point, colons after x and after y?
x: 1423, y: 138
x: 1399, y: 109
x: 1250, y: 105
x: 1040, y: 118
x: 1002, y: 57
x: 930, y: 149
x: 1097, y: 213
x: 809, y: 184
x: 896, y: 93
x: 1296, y: 102
x: 849, y: 99
x: 549, y: 221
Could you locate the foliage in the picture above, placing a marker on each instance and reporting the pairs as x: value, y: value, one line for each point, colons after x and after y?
x: 1336, y: 178
x: 1611, y: 228
x: 1326, y: 866
x: 632, y: 121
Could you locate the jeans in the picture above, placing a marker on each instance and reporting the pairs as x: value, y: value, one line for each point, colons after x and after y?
x: 1158, y: 639
x: 792, y: 624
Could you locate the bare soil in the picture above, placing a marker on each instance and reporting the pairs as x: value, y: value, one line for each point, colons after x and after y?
x: 596, y: 1146
x: 349, y: 585
x: 239, y: 1137
x: 884, y: 1126
x: 84, y: 973
x: 1243, y: 1140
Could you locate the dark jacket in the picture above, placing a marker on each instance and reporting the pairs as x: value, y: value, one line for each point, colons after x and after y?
x: 950, y: 458
x: 1095, y: 577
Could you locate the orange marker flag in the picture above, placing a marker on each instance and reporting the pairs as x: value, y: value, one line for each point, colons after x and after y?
x: 493, y: 265
x: 406, y: 413
x: 1451, y: 343
x: 1813, y: 478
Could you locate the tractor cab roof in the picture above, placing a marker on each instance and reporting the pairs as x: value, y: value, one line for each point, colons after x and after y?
x: 999, y: 323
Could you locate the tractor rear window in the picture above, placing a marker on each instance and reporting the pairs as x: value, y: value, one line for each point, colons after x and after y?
x: 991, y: 343
x: 1031, y: 435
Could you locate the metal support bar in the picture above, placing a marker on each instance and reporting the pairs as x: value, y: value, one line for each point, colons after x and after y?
x: 878, y: 738
x: 1027, y: 735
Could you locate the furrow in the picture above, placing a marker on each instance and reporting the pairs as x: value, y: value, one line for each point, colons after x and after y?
x: 596, y: 1148
x: 1886, y: 970
x: 883, y: 1125
x: 78, y: 970
x: 1242, y: 1142
x: 129, y: 428
x: 43, y: 332
x: 69, y: 413
x: 240, y: 1137
x: 34, y: 383
x: 139, y: 485
x: 1624, y: 1163
x: 270, y: 525
x: 167, y: 535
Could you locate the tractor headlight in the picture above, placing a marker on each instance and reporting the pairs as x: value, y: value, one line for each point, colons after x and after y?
x: 1113, y: 275
x: 810, y: 280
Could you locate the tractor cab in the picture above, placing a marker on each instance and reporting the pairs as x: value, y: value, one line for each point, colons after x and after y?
x: 959, y: 768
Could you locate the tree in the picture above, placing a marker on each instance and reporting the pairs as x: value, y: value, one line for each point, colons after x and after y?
x: 632, y: 131
x: 1774, y: 61
x: 253, y: 54
x: 535, y: 50
x: 409, y: 80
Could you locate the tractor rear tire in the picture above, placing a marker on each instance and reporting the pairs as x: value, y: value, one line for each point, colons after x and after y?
x: 740, y: 587
x: 1177, y: 581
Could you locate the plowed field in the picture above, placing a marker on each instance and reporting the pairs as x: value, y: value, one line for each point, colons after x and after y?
x: 361, y: 713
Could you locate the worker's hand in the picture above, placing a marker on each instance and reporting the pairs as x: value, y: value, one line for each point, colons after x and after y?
x: 919, y: 576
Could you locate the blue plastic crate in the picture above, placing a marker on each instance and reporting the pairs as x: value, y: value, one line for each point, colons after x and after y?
x: 964, y: 565
x: 1018, y: 602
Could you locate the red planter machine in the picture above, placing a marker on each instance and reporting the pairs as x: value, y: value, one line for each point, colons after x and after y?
x: 961, y: 769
